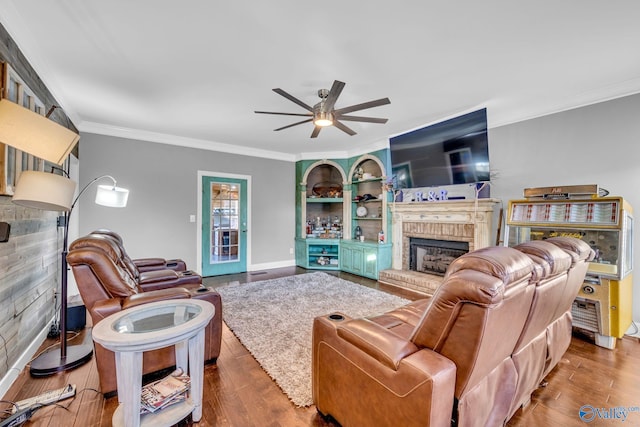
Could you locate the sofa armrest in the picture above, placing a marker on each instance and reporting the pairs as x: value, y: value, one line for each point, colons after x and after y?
x: 149, y: 262
x: 104, y: 308
x: 162, y: 279
x: 351, y: 384
x: 155, y: 276
x: 378, y: 342
x: 158, y: 295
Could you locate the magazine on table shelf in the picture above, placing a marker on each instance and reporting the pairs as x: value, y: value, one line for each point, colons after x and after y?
x: 164, y: 392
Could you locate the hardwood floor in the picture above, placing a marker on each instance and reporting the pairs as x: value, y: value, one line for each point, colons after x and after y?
x: 239, y: 393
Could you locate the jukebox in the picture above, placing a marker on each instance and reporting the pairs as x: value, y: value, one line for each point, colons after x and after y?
x: 604, y: 303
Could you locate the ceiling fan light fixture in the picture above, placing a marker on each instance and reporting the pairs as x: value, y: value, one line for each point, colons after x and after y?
x: 323, y: 119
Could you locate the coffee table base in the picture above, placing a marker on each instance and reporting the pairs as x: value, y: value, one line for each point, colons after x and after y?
x: 166, y: 416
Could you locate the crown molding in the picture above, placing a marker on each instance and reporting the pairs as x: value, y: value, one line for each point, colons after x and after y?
x: 181, y: 141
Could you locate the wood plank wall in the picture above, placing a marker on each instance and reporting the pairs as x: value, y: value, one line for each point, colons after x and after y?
x: 30, y: 260
x: 29, y: 278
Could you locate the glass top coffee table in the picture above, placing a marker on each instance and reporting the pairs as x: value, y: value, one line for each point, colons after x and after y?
x: 129, y: 333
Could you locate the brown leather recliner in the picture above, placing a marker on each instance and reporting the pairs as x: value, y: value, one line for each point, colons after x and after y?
x: 143, y: 264
x: 559, y: 331
x: 106, y: 288
x: 145, y: 280
x: 449, y: 359
x: 455, y: 362
x: 550, y: 280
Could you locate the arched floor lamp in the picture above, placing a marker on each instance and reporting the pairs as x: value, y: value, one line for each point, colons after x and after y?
x: 52, y: 192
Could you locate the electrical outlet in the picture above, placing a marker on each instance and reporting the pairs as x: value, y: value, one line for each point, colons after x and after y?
x: 290, y: 251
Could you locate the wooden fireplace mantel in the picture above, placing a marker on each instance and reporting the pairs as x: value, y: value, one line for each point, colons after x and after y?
x: 472, y: 221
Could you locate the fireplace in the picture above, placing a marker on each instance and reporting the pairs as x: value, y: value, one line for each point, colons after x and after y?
x: 433, y: 256
x: 465, y: 225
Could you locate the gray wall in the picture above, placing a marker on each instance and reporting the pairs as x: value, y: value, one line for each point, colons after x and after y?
x: 597, y: 144
x: 163, y: 180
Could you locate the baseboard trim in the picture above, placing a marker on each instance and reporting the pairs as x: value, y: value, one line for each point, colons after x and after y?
x: 7, y: 381
x: 270, y: 265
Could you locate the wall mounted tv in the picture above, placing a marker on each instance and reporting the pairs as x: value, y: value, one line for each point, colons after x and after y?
x: 455, y: 151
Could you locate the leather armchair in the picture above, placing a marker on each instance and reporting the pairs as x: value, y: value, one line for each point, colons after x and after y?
x: 106, y: 288
x: 143, y: 264
x: 145, y: 280
x: 468, y: 356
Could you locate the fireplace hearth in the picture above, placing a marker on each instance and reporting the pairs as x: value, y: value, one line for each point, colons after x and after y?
x: 433, y: 256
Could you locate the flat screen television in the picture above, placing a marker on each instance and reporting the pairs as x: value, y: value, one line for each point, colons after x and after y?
x: 455, y: 151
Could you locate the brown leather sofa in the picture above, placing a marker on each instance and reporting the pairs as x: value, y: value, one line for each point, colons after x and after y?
x: 468, y: 356
x: 559, y: 274
x: 106, y: 287
x: 143, y: 264
x: 146, y: 280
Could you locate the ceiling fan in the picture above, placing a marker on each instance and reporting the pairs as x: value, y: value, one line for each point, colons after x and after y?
x: 324, y: 114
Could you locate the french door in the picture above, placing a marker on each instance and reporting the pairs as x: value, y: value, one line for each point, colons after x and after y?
x: 224, y: 225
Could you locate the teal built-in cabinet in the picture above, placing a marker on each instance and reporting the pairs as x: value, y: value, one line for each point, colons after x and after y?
x: 364, y: 258
x: 337, y: 199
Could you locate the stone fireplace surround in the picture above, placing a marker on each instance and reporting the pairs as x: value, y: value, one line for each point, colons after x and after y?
x: 472, y: 221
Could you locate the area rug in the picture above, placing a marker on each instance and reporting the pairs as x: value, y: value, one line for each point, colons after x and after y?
x: 273, y: 319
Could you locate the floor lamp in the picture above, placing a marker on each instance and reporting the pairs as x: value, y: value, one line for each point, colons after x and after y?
x: 52, y: 192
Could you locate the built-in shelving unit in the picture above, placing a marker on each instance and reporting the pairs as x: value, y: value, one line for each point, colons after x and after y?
x: 323, y: 254
x: 330, y: 193
x: 369, y: 198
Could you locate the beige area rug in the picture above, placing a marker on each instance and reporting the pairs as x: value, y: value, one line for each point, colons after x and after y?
x: 273, y: 319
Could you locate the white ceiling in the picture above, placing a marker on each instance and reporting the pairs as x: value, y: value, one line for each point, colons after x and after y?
x: 192, y: 72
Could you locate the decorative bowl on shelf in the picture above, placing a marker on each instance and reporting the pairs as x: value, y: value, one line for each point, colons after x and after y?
x: 327, y: 189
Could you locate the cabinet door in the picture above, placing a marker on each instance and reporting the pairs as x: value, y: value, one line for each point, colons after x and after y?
x: 357, y: 258
x: 351, y: 259
x: 370, y: 261
x: 346, y: 259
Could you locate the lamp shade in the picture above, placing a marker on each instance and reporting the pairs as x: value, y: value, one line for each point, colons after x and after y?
x: 43, y: 190
x: 112, y: 196
x: 35, y: 134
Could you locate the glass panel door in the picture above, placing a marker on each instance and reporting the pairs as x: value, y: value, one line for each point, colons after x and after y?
x: 224, y: 226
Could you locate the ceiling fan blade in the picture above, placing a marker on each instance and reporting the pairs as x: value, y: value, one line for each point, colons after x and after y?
x: 363, y: 119
x: 293, y: 99
x: 363, y: 106
x: 334, y: 93
x: 294, y: 124
x: 316, y: 131
x: 285, y: 114
x: 343, y: 128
